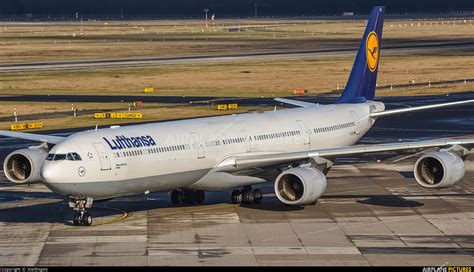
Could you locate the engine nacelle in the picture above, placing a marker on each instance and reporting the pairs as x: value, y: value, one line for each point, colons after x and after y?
x: 24, y: 166
x: 300, y: 186
x: 439, y: 169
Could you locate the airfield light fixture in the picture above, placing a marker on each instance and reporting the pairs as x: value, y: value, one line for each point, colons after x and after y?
x: 206, y: 10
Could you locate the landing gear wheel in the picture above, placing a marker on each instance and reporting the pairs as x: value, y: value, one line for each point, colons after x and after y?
x: 236, y: 197
x: 76, y: 221
x: 87, y: 219
x: 80, y: 206
x: 200, y: 196
x: 257, y: 196
x: 175, y: 197
x: 247, y: 196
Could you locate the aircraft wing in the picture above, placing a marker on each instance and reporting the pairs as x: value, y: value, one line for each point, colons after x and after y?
x: 241, y: 163
x: 32, y: 137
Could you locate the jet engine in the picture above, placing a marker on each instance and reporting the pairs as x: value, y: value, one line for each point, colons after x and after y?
x: 439, y: 169
x: 300, y: 186
x: 24, y: 166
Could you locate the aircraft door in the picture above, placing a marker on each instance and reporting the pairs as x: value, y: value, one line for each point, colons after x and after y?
x: 305, y: 132
x: 357, y: 125
x: 198, y: 145
x: 248, y: 140
x: 104, y: 156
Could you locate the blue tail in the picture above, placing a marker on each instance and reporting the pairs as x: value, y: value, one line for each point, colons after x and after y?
x: 363, y: 78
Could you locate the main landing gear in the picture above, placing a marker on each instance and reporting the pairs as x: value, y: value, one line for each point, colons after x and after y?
x: 188, y: 197
x: 247, y: 196
x: 81, y: 216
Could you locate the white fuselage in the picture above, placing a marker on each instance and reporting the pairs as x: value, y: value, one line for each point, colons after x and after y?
x: 181, y: 154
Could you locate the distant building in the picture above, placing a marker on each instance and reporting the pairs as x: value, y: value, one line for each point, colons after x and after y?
x: 348, y: 13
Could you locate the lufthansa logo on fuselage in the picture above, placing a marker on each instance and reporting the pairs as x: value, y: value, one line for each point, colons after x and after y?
x: 122, y: 142
x: 372, y: 47
x: 81, y: 171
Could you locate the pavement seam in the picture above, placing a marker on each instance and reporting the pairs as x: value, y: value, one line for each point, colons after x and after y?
x: 383, y: 223
x: 441, y: 231
x: 246, y: 235
x: 46, y: 240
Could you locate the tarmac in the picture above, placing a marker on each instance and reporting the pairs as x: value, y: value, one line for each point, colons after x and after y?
x: 373, y: 213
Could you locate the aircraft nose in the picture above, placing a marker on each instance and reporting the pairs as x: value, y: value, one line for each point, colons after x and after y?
x: 48, y: 174
x: 53, y: 178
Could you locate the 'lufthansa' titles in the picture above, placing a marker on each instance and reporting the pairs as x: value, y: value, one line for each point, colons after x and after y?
x: 122, y: 142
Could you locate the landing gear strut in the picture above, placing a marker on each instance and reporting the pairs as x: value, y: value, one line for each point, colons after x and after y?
x: 247, y: 196
x: 81, y: 216
x: 188, y: 197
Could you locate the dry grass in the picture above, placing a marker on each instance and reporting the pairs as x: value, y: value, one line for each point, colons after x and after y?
x: 150, y: 113
x: 28, y: 108
x: 117, y: 39
x: 55, y: 41
x: 247, y: 79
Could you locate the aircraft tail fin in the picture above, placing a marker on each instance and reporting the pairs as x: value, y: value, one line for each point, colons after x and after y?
x: 362, y: 81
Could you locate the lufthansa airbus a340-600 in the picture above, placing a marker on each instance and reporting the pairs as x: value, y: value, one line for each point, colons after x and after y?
x: 295, y: 148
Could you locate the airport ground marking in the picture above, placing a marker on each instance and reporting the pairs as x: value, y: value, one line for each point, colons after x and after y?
x: 120, y: 218
x: 219, y: 206
x: 124, y: 215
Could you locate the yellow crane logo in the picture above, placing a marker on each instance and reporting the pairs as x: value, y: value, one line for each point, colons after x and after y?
x: 373, y: 48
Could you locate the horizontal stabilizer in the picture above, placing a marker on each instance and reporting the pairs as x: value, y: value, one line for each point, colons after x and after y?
x: 427, y: 107
x: 296, y: 103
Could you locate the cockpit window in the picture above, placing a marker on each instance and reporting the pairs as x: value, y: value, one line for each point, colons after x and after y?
x: 75, y: 156
x: 59, y: 157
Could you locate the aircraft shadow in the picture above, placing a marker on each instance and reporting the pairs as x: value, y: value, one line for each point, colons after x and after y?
x: 55, y: 209
x: 390, y: 201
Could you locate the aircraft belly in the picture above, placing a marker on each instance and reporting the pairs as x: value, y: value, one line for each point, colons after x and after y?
x: 222, y: 180
x: 117, y: 188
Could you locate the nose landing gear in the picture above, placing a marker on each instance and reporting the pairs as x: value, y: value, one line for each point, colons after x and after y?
x: 81, y: 216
